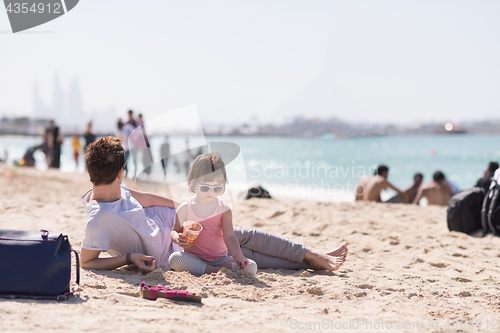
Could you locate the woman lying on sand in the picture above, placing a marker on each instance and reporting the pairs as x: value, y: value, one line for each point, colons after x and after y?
x: 134, y: 227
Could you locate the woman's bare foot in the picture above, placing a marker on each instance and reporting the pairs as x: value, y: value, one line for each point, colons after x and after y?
x: 340, y: 252
x: 322, y: 261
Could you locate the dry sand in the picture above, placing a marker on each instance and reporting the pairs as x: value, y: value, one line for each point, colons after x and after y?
x: 404, y: 271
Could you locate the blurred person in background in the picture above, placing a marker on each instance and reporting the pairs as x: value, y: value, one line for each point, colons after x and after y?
x: 410, y: 192
x: 188, y: 158
x: 437, y: 192
x: 488, y: 175
x: 165, y: 155
x: 54, y: 142
x: 89, y: 136
x: 124, y: 130
x: 369, y: 188
x: 131, y: 119
x: 75, y: 142
x: 146, y: 154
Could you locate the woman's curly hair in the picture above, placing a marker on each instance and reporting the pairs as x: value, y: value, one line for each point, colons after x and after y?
x: 104, y: 159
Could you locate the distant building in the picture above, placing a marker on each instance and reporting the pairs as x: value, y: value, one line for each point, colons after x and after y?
x: 66, y: 109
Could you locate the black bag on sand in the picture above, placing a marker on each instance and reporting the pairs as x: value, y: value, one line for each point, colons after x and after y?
x: 258, y: 192
x: 36, y: 265
x: 464, y: 211
x: 490, y: 213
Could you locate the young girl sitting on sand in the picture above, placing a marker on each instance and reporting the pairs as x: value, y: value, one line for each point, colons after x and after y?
x: 207, y: 180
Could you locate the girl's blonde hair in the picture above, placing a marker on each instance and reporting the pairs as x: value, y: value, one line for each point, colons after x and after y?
x: 207, y: 167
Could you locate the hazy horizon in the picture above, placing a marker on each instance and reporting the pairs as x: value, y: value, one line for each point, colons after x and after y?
x: 358, y: 61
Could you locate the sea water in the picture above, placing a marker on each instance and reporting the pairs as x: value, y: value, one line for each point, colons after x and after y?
x: 315, y: 168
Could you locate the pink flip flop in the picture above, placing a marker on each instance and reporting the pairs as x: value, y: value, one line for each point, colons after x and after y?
x: 150, y: 292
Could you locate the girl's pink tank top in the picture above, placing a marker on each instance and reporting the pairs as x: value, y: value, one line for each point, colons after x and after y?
x: 210, y: 242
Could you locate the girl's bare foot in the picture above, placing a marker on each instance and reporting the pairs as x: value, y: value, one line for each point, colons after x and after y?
x: 340, y: 252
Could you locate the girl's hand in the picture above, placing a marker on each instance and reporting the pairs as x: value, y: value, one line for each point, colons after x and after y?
x: 181, y: 240
x: 143, y: 262
x: 242, y: 262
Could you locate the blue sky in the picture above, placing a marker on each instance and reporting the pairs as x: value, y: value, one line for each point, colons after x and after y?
x: 371, y: 61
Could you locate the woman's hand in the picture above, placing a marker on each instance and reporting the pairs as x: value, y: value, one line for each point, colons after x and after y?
x: 143, y: 262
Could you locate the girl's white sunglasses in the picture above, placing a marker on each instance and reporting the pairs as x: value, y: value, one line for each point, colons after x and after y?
x: 206, y: 188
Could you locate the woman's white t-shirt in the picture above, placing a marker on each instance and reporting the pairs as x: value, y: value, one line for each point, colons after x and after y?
x: 124, y: 226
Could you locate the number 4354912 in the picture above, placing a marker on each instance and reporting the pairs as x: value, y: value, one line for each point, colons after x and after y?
x: 35, y: 8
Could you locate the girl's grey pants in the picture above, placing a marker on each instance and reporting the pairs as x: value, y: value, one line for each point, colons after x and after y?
x: 270, y: 251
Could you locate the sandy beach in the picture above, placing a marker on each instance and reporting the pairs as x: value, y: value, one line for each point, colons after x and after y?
x: 405, y: 271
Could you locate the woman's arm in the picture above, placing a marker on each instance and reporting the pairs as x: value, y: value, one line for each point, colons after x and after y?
x: 90, y: 259
x: 230, y: 239
x: 149, y: 199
